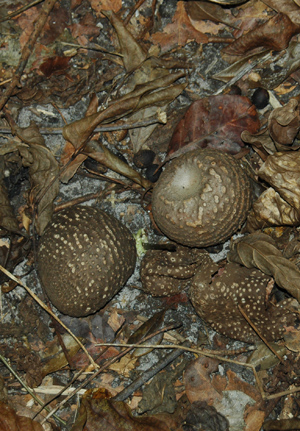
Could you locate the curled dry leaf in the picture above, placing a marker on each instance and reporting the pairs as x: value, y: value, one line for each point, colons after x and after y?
x: 10, y: 421
x: 215, y: 122
x: 271, y: 210
x: 261, y: 141
x: 199, y: 10
x: 284, y: 124
x: 103, y: 155
x: 79, y: 131
x: 43, y: 172
x: 289, y: 7
x: 282, y: 172
x: 274, y: 34
x: 258, y: 250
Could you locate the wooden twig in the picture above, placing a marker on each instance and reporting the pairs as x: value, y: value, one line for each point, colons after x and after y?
x: 44, y: 306
x: 25, y: 386
x: 27, y: 51
x: 253, y: 326
x: 20, y: 10
x: 147, y: 375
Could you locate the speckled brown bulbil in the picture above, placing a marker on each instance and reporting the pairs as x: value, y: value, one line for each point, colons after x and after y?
x: 217, y: 303
x: 85, y: 257
x: 165, y: 273
x: 201, y: 198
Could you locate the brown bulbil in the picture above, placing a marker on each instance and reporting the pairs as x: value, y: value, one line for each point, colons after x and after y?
x: 201, y: 198
x: 85, y: 257
x: 217, y: 303
x: 165, y: 273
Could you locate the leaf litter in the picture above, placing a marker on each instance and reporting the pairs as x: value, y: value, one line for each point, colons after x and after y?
x: 156, y: 73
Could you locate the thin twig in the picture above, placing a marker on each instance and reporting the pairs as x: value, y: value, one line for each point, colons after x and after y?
x: 44, y: 306
x: 107, y: 364
x: 20, y: 10
x: 27, y: 51
x: 28, y: 389
x: 157, y: 119
x: 253, y: 326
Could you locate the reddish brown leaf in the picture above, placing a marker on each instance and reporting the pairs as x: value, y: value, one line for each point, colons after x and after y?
x: 10, y: 421
x: 274, y: 34
x: 55, y: 65
x: 215, y: 122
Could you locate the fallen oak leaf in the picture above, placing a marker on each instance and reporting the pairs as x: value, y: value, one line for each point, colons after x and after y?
x: 258, y: 250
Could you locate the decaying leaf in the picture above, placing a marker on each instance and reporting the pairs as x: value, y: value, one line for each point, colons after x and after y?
x: 43, y: 172
x: 199, y: 10
x: 231, y: 397
x: 10, y: 421
x: 282, y: 172
x: 215, y: 122
x: 99, y: 412
x: 103, y: 155
x: 258, y: 250
x: 179, y: 32
x: 274, y: 34
x: 148, y: 327
x: 289, y: 7
x: 271, y: 210
x: 261, y: 141
x: 263, y: 358
x: 284, y: 124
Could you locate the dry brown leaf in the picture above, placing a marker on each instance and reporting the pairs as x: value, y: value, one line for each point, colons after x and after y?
x: 43, y: 172
x: 282, y: 172
x: 214, y: 122
x: 96, y: 150
x: 274, y: 34
x: 179, y: 32
x: 200, y: 10
x: 271, y: 210
x: 258, y: 250
x: 289, y: 7
x: 10, y: 421
x: 98, y: 412
x: 284, y: 124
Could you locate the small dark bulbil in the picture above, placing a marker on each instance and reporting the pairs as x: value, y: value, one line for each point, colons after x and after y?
x: 143, y: 158
x: 153, y: 173
x: 85, y: 257
x: 260, y: 98
x: 201, y: 417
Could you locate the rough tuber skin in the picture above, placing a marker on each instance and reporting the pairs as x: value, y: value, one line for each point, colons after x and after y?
x: 201, y: 198
x: 85, y: 257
